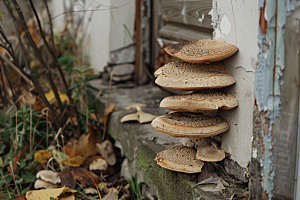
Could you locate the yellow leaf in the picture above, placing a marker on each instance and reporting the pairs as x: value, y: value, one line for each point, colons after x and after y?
x: 74, y: 162
x: 44, y: 194
x: 42, y: 156
x: 51, y: 97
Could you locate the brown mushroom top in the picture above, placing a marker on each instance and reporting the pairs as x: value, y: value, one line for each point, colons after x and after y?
x: 191, y: 76
x: 179, y: 158
x: 210, y: 154
x: 184, y: 124
x: 199, y: 102
x: 202, y: 51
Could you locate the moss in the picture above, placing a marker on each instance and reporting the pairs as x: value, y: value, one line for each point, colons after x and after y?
x: 171, y: 185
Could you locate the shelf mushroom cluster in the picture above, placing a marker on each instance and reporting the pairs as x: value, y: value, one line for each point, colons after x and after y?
x: 199, y: 70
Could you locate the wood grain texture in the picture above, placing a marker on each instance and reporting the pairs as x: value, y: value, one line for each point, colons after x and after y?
x: 190, y: 12
x: 286, y: 125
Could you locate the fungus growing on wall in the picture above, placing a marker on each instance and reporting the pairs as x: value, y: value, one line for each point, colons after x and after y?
x: 189, y: 120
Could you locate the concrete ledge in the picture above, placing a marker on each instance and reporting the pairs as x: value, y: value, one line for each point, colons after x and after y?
x: 140, y: 143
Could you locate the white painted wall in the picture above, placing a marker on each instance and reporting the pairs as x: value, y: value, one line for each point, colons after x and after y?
x: 106, y: 32
x: 236, y: 22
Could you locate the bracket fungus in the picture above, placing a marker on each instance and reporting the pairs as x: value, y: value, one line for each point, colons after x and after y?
x: 191, y: 76
x: 202, y: 51
x: 184, y: 124
x: 200, y: 102
x: 210, y: 153
x: 139, y: 116
x: 180, y: 158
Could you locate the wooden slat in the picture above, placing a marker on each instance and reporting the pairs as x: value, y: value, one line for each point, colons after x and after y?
x: 190, y: 12
x: 181, y: 34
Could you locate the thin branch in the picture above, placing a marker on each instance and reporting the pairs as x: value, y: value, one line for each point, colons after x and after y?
x: 51, y: 26
x: 9, y: 82
x: 111, y: 7
x: 4, y: 90
x: 28, y: 72
x: 37, y: 53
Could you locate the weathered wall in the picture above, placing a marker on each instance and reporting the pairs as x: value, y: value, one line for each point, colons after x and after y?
x: 111, y: 27
x: 236, y: 22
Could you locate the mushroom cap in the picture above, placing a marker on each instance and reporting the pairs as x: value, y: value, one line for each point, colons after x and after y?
x: 106, y: 149
x: 202, y: 51
x: 98, y: 164
x: 200, y: 102
x: 43, y: 184
x: 49, y: 176
x: 183, y: 124
x: 191, y: 76
x: 210, y: 154
x: 179, y: 158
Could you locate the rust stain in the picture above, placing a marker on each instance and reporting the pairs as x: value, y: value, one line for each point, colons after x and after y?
x: 263, y: 23
x: 265, y: 196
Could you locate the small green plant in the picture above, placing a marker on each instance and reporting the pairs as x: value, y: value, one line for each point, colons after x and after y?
x: 135, y: 187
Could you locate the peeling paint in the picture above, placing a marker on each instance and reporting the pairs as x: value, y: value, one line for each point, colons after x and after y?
x: 267, y: 81
x: 224, y: 28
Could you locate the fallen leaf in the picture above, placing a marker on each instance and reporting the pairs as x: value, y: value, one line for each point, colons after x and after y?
x: 67, y: 178
x: 51, y: 97
x: 16, y: 159
x: 86, y: 145
x: 85, y: 177
x: 111, y: 195
x: 90, y: 190
x: 74, y: 162
x: 68, y: 198
x: 59, y: 156
x: 42, y: 156
x: 95, y: 116
x: 19, y: 198
x: 44, y: 193
x: 69, y: 150
x: 107, y: 111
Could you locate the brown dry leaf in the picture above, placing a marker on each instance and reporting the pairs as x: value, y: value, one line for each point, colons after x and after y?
x: 74, y: 162
x: 42, y: 156
x: 39, y: 104
x: 86, y: 145
x: 95, y: 116
x: 107, y: 111
x: 72, y: 197
x: 19, y: 198
x: 44, y: 194
x: 69, y: 150
x: 111, y: 194
x: 85, y: 177
x: 67, y: 178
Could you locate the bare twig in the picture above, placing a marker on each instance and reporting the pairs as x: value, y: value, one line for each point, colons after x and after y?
x: 9, y: 81
x: 28, y: 72
x: 97, y: 9
x: 37, y: 53
x: 51, y: 27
